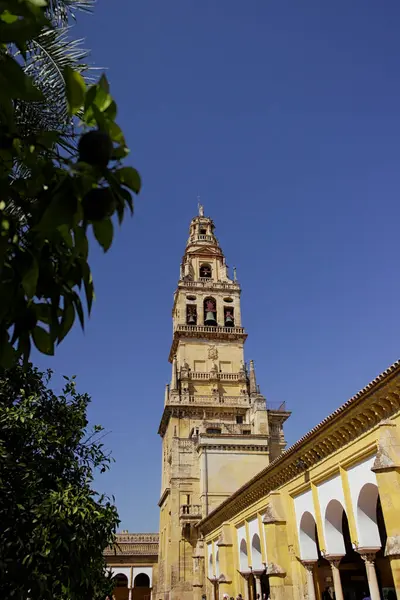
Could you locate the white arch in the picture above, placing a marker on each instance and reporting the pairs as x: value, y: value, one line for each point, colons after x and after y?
x: 135, y: 581
x: 243, y: 557
x: 307, y: 537
x: 333, y: 528
x: 144, y: 570
x: 367, y: 522
x: 121, y: 571
x: 217, y: 573
x: 256, y: 557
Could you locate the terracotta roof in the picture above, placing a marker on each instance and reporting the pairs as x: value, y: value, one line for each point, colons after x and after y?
x: 380, y: 379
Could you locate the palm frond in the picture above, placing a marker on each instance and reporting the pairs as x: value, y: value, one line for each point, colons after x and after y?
x: 60, y: 11
x: 49, y: 53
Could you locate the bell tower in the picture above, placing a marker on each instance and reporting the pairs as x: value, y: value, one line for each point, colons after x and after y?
x: 217, y: 429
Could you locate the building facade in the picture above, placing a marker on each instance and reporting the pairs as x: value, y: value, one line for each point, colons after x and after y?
x: 324, y: 518
x: 132, y: 562
x: 217, y: 429
x: 238, y: 513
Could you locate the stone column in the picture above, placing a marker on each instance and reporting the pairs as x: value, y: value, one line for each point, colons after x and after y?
x: 309, y: 566
x: 130, y: 594
x: 368, y: 556
x: 337, y: 582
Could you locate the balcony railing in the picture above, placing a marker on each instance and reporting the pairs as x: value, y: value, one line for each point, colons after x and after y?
x: 190, y: 512
x: 209, y: 400
x: 209, y: 329
x: 204, y: 282
x: 203, y: 376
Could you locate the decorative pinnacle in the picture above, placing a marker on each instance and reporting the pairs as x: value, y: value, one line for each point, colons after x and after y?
x: 200, y: 207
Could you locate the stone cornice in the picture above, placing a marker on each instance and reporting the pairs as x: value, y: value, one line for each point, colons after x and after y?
x: 379, y: 400
x: 164, y: 496
x: 131, y: 544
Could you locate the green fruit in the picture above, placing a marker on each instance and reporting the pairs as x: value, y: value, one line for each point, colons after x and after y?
x: 98, y: 204
x: 95, y: 148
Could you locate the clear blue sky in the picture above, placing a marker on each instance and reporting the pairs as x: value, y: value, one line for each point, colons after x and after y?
x: 284, y: 116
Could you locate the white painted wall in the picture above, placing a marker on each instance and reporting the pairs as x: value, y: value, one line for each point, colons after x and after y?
x: 243, y: 559
x: 217, y: 569
x: 210, y: 560
x: 302, y: 503
x: 364, y: 493
x: 305, y: 520
x: 332, y: 504
x: 123, y: 571
x: 255, y: 556
x: 147, y: 570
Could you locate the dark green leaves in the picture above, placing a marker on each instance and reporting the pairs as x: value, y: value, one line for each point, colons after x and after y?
x: 104, y: 231
x: 54, y: 526
x: 52, y: 191
x: 15, y: 83
x: 129, y: 177
x: 30, y: 278
x: 43, y: 341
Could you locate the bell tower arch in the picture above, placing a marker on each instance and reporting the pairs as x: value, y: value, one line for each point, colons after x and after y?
x: 217, y: 429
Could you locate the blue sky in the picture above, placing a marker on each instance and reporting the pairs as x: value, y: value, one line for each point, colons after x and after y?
x: 284, y: 117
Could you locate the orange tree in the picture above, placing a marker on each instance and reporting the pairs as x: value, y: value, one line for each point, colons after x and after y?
x: 54, y: 526
x: 53, y: 191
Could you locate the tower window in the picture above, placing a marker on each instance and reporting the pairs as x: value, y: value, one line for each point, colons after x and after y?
x: 210, y: 312
x: 203, y: 231
x: 191, y: 314
x: 239, y: 420
x: 229, y: 320
x: 205, y: 271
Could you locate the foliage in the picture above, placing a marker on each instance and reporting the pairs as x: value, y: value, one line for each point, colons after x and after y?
x: 52, y: 194
x: 54, y: 527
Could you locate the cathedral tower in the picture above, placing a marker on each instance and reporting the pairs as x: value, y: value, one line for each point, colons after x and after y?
x: 217, y: 429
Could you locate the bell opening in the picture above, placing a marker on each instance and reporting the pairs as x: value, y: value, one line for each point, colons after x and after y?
x: 229, y: 320
x: 191, y: 314
x: 210, y: 312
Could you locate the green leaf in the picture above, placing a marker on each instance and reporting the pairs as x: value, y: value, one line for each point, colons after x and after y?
x: 67, y: 321
x: 30, y: 278
x: 88, y: 283
x: 81, y: 242
x: 104, y: 233
x: 8, y: 355
x: 19, y: 30
x: 43, y: 312
x: 14, y: 83
x: 43, y: 341
x: 61, y: 211
x: 75, y: 89
x: 130, y: 177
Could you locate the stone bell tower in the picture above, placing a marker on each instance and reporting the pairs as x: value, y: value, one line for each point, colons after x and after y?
x: 217, y: 428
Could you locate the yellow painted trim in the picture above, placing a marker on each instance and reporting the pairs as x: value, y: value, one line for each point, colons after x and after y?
x: 349, y: 506
x: 327, y: 474
x: 318, y: 518
x: 362, y: 455
x: 261, y: 533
